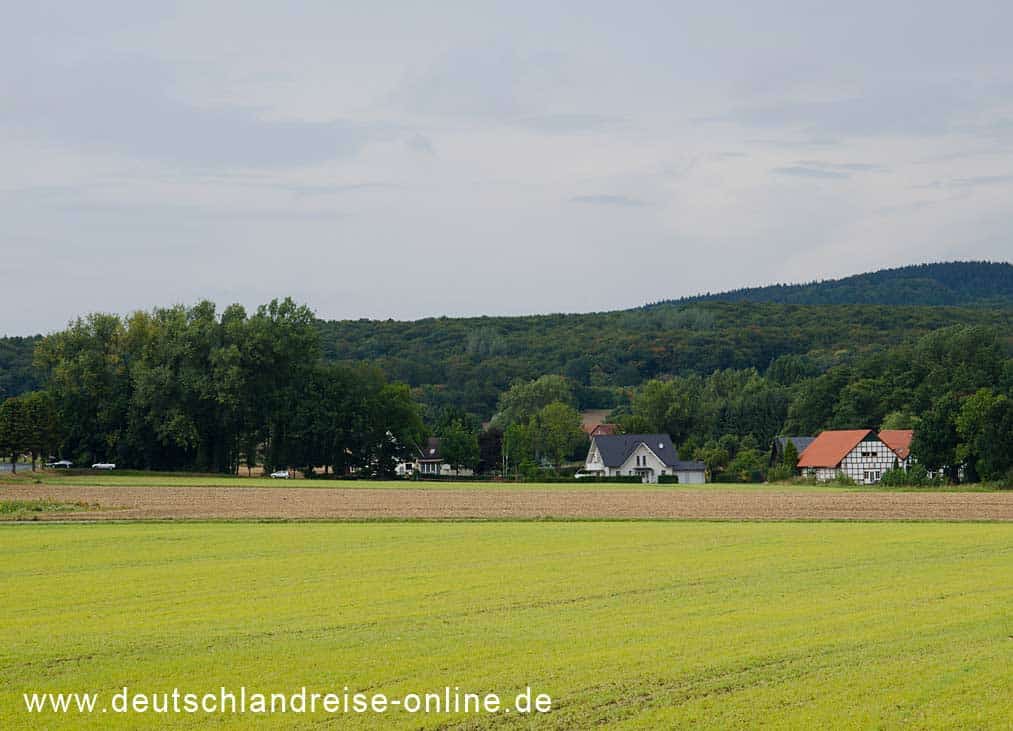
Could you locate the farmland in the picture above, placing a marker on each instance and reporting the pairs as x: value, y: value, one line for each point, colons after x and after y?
x: 160, y: 497
x: 643, y: 624
x: 289, y: 503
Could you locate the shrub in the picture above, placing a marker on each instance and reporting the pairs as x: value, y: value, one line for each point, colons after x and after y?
x: 915, y: 476
x: 779, y: 473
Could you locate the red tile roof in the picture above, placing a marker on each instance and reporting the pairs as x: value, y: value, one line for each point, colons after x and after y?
x: 603, y: 430
x: 899, y: 440
x: 830, y: 447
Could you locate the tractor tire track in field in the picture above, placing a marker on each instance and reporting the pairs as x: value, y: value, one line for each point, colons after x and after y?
x: 292, y: 503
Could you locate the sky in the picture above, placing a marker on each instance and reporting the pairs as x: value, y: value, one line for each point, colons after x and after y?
x: 407, y: 160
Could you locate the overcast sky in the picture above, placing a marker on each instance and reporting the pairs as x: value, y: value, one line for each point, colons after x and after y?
x: 407, y: 160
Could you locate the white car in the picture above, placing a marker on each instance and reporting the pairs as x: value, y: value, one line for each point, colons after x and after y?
x: 280, y: 475
x: 103, y: 466
x: 63, y: 464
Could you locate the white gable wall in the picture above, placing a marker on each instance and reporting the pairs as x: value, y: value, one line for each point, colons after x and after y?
x: 643, y: 461
x: 866, y: 463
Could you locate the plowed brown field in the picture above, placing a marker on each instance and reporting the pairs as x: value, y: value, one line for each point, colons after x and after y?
x: 210, y: 503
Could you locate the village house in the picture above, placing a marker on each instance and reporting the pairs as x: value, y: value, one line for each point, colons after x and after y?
x: 648, y: 456
x: 859, y: 454
x: 592, y: 422
x: 602, y: 430
x: 429, y: 463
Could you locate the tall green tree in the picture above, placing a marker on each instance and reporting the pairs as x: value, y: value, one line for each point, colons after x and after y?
x: 985, y: 427
x: 525, y: 398
x: 41, y: 424
x: 459, y: 446
x: 559, y: 432
x: 935, y: 441
x: 789, y: 458
x: 14, y: 428
x: 86, y: 371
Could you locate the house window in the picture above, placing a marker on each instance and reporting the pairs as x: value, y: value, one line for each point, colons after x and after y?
x: 865, y: 476
x: 878, y: 474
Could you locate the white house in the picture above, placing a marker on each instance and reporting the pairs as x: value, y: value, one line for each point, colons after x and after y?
x: 648, y: 456
x: 429, y: 463
x: 856, y: 453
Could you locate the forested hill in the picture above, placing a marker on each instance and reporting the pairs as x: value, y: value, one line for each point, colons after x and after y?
x: 466, y: 363
x: 964, y: 283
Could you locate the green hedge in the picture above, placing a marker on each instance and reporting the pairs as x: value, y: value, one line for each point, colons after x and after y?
x: 623, y: 479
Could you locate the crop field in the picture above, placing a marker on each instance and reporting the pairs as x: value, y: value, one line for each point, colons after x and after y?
x: 159, y: 497
x: 629, y: 624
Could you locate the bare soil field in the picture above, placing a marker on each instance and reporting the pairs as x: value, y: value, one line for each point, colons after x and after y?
x: 292, y: 503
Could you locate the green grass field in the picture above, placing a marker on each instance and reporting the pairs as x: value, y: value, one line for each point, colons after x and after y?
x: 145, y: 479
x: 645, y: 625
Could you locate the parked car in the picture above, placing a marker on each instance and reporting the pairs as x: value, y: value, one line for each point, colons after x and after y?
x: 281, y: 475
x: 103, y: 466
x: 62, y: 464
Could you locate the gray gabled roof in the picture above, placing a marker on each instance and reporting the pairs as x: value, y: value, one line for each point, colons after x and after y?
x: 800, y: 443
x: 615, y: 449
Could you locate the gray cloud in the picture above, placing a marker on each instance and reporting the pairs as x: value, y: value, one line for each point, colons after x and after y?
x: 567, y: 123
x: 983, y: 180
x: 827, y: 170
x: 972, y: 182
x: 907, y: 109
x: 608, y: 200
x: 811, y: 172
x: 156, y: 153
x: 420, y: 143
x: 124, y: 103
x: 858, y: 167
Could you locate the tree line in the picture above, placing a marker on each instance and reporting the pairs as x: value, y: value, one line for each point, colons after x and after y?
x: 953, y: 387
x: 187, y: 388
